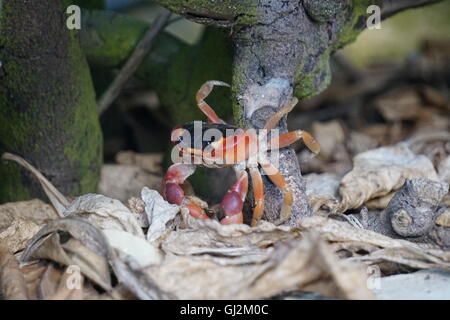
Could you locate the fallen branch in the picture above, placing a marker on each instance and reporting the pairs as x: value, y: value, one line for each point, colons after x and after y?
x: 412, y: 214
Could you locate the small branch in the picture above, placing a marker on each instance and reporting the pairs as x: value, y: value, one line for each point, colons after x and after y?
x: 411, y: 214
x: 224, y: 13
x: 413, y: 210
x: 130, y: 67
x: 391, y: 7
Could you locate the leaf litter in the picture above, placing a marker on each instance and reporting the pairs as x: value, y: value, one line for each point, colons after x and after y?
x: 155, y: 250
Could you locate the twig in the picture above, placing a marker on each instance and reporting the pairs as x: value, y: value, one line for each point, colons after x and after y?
x: 130, y: 67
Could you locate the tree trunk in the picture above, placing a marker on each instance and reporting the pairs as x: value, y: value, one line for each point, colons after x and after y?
x: 47, y: 102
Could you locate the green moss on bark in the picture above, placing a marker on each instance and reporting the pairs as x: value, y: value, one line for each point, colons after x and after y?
x: 223, y: 13
x: 84, y: 148
x: 47, y: 103
x: 356, y: 22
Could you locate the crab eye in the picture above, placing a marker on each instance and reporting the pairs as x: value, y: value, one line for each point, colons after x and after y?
x: 180, y: 139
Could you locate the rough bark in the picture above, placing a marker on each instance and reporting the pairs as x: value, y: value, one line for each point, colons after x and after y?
x: 47, y: 102
x: 224, y: 13
x: 412, y: 212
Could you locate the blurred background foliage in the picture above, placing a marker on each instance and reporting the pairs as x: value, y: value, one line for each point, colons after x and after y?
x: 401, y: 35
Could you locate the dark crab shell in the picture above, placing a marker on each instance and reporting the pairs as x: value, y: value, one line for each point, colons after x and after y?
x: 198, y: 135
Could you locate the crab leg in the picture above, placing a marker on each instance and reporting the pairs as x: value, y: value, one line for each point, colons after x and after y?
x: 258, y: 193
x: 202, y: 93
x: 276, y: 177
x: 288, y: 138
x: 233, y: 202
x: 272, y: 122
x: 173, y: 193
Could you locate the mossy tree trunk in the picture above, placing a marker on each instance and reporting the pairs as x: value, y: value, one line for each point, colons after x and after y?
x: 47, y: 102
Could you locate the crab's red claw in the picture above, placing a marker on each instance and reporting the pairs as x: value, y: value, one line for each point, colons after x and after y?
x: 232, y: 205
x: 174, y: 193
x: 233, y: 202
x: 236, y: 219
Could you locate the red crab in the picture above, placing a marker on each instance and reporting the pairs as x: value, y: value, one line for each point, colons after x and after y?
x: 232, y: 146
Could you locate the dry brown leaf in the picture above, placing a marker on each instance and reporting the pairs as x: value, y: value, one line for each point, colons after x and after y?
x: 16, y: 236
x: 120, y: 181
x: 240, y: 262
x: 434, y: 97
x: 398, y: 251
x: 136, y: 205
x: 322, y: 191
x: 380, y: 202
x: 88, y: 248
x: 378, y: 132
x: 65, y: 291
x: 105, y: 213
x: 338, y: 231
x: 444, y: 218
x: 359, y: 142
x: 378, y: 172
x: 32, y: 210
x: 231, y: 244
x: 328, y: 135
x: 20, y: 221
x: 159, y: 213
x: 32, y: 274
x: 400, y: 104
x: 85, y: 249
x: 12, y: 282
x: 144, y: 253
x: 49, y: 282
x: 292, y: 265
x: 120, y: 292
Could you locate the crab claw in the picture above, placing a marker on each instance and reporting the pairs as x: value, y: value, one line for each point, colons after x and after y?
x: 173, y: 193
x: 232, y: 205
x: 233, y: 202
